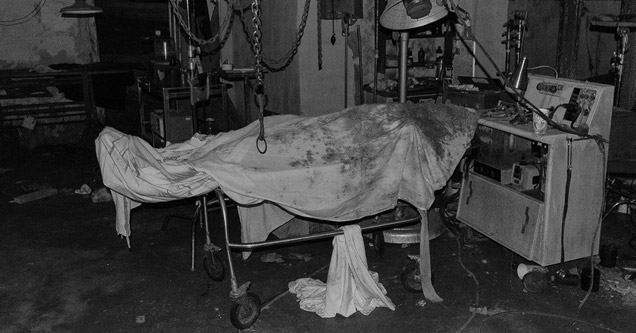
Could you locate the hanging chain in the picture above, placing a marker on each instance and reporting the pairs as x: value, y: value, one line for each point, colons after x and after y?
x: 258, y: 65
x: 226, y: 25
x: 289, y: 56
x: 319, y: 24
x: 223, y: 40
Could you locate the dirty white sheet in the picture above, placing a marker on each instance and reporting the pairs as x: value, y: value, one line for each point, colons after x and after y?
x: 350, y: 285
x: 338, y: 167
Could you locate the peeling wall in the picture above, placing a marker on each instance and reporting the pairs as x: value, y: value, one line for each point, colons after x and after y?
x: 33, y: 32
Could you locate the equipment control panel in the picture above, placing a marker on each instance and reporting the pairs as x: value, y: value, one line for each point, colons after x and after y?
x: 571, y: 103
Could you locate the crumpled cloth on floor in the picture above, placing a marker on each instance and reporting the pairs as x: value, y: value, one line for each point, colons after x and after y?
x: 350, y: 285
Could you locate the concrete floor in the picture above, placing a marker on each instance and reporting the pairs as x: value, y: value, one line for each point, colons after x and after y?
x: 64, y: 269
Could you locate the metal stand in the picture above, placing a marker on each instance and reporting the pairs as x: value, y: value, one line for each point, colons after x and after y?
x: 618, y: 61
x: 619, y: 57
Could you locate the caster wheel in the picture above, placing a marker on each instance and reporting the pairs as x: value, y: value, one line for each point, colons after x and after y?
x: 243, y: 314
x: 410, y: 277
x: 214, y: 266
x: 378, y: 242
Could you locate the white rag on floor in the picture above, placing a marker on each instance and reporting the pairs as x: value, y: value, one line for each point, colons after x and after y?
x: 350, y: 285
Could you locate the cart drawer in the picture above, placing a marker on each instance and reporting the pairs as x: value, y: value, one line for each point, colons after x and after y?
x: 503, y: 214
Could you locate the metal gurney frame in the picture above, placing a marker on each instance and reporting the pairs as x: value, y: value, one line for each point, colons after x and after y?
x: 383, y: 153
x: 247, y: 306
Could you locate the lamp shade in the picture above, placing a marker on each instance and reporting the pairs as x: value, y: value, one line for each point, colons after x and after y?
x: 396, y: 17
x: 80, y: 7
x: 519, y: 79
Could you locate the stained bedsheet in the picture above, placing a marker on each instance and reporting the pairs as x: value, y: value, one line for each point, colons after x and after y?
x: 340, y: 166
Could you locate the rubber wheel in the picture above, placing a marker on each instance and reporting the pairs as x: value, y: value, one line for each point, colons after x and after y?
x: 214, y: 266
x: 410, y: 277
x: 378, y: 242
x: 244, y: 314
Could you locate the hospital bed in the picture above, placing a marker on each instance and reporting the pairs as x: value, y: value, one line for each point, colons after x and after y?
x: 339, y: 167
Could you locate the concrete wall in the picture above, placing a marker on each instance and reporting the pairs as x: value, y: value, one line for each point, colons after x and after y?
x: 32, y: 35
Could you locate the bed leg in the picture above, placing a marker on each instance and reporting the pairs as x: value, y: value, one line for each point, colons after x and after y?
x: 226, y: 233
x: 211, y: 260
x: 425, y: 261
x: 194, y: 225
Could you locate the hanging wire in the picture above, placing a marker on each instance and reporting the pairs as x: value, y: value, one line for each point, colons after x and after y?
x: 462, y: 17
x: 556, y: 74
x: 25, y: 18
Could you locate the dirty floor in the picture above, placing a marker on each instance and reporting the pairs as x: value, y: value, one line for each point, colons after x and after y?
x: 64, y: 269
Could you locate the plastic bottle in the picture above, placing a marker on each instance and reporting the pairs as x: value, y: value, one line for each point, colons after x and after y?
x: 410, y: 57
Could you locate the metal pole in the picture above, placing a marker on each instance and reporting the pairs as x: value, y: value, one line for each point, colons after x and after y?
x: 346, y: 60
x: 376, y: 55
x: 360, y: 76
x: 404, y: 49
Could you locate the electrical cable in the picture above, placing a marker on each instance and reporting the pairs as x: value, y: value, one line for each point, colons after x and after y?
x: 461, y: 263
x: 568, y: 180
x: 556, y: 74
x: 25, y: 18
x: 597, y: 229
x: 454, y: 229
x: 462, y: 18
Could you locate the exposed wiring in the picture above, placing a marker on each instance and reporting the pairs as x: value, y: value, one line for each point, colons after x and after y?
x: 596, y: 231
x: 556, y: 74
x: 449, y: 221
x: 463, y: 19
x: 25, y: 18
x: 461, y: 263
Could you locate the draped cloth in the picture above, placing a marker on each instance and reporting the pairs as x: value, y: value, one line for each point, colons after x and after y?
x: 341, y: 166
x: 350, y: 285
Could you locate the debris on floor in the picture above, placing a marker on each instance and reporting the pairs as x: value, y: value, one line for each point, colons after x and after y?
x: 300, y: 256
x: 84, y: 190
x: 621, y: 282
x: 5, y: 170
x: 37, y: 195
x: 272, y: 257
x: 101, y: 195
x: 484, y: 311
